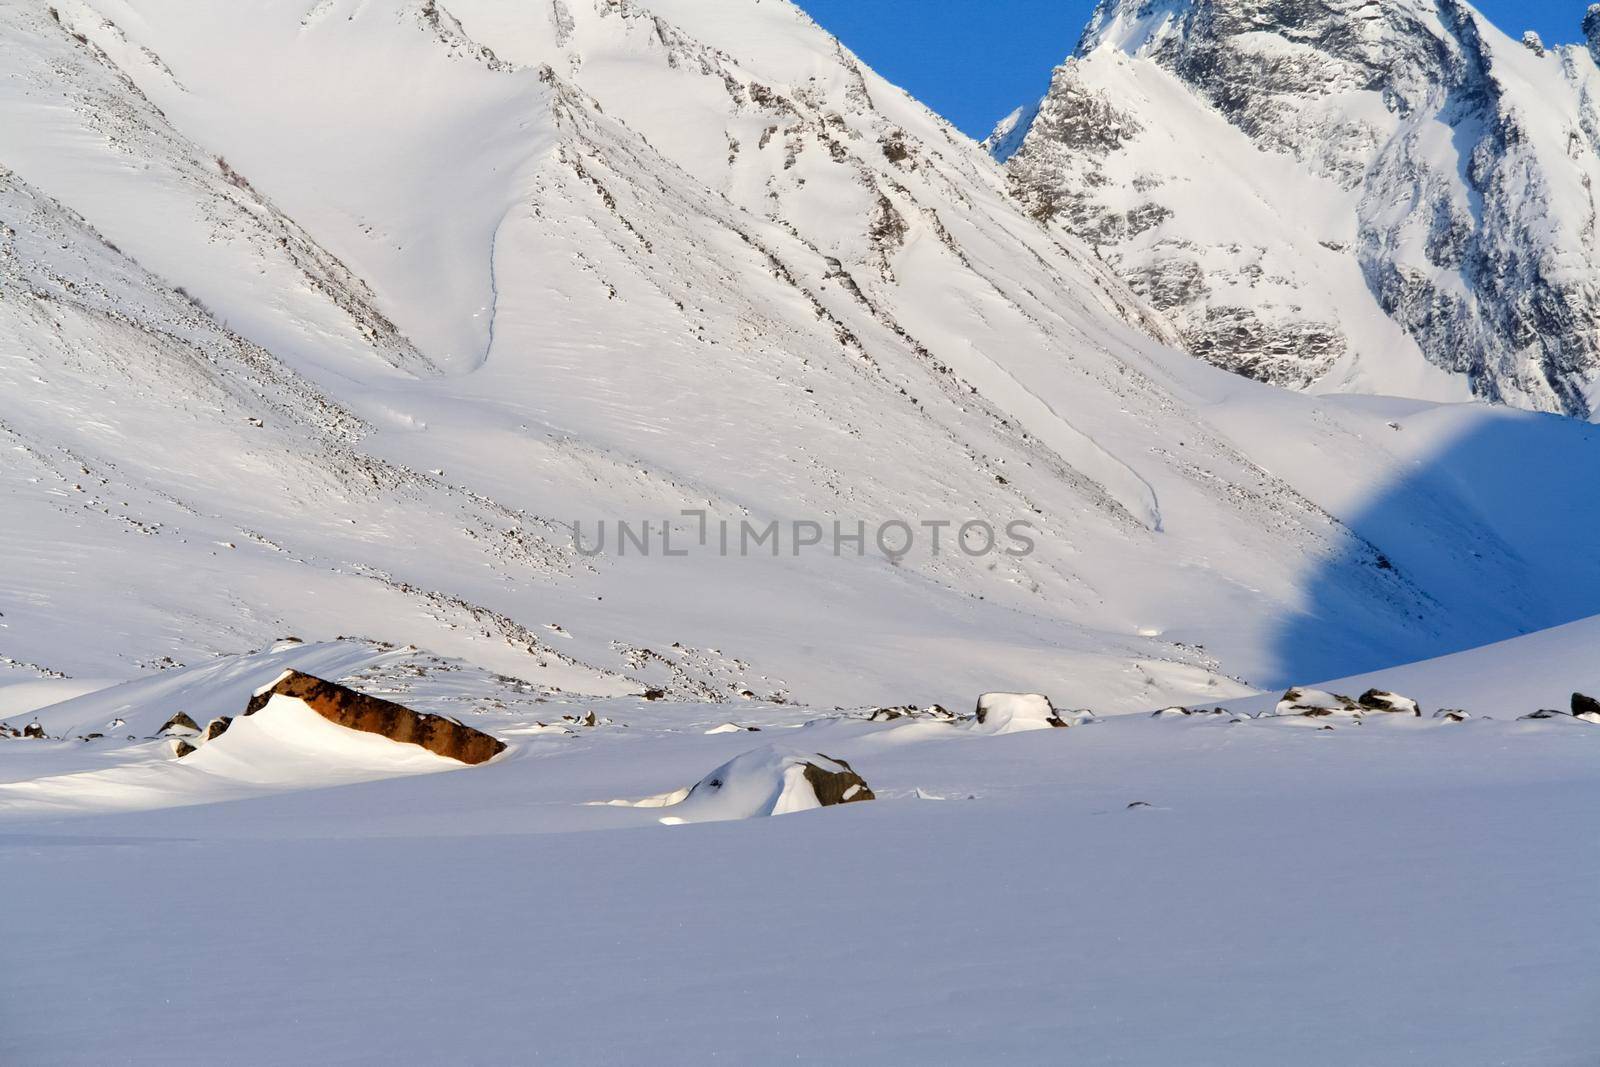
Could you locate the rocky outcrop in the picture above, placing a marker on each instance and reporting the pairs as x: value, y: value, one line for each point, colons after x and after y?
x: 935, y: 712
x: 180, y: 723
x: 1382, y: 700
x: 357, y: 711
x: 1289, y: 181
x: 1316, y: 704
x: 835, y: 782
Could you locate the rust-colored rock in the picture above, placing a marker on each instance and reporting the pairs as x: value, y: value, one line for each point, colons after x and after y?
x: 357, y: 711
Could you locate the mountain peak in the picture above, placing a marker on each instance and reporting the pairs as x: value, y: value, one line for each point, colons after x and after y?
x: 1402, y: 163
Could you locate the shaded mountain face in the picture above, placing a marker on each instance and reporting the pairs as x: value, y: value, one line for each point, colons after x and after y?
x: 1336, y: 194
x: 336, y: 318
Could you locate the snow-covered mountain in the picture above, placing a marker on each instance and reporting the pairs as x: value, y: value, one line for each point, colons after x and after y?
x: 323, y: 324
x: 334, y: 318
x: 1350, y: 195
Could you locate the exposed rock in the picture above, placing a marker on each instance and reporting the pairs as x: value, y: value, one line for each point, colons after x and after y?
x: 34, y: 730
x: 1546, y: 713
x: 1383, y: 700
x: 835, y: 782
x: 179, y: 723
x: 1170, y: 713
x: 357, y: 711
x: 891, y: 714
x: 180, y: 747
x: 1316, y: 704
x: 935, y: 712
x: 1017, y: 711
x: 1586, y: 708
x: 217, y: 727
x: 1452, y: 715
x: 1591, y: 30
x: 1533, y: 42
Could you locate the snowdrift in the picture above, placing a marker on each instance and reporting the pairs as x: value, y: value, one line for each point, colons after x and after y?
x: 765, y: 781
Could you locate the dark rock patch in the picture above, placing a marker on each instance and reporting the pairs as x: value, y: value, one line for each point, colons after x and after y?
x: 1383, y: 700
x: 357, y: 711
x: 179, y: 721
x: 843, y: 786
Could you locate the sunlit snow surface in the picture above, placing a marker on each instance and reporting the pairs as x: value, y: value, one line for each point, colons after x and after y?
x: 1196, y: 888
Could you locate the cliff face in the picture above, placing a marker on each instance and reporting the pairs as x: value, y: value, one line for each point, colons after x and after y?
x: 1337, y: 193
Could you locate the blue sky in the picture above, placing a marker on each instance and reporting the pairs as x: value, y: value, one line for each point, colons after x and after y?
x: 974, y: 60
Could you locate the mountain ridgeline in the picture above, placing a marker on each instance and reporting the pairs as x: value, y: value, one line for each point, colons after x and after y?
x: 336, y: 317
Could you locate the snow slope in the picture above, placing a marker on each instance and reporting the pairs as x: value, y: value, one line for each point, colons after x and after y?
x: 335, y: 320
x: 1386, y: 197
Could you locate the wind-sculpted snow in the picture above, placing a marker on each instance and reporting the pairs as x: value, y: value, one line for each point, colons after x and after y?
x: 1343, y: 196
x: 1122, y: 864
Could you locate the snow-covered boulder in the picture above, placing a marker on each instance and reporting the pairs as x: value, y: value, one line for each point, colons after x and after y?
x: 180, y: 725
x: 1452, y: 715
x: 1383, y: 700
x: 765, y: 781
x: 1170, y: 713
x: 1316, y: 703
x: 936, y: 712
x: 357, y: 711
x: 1590, y: 717
x: 1013, y: 712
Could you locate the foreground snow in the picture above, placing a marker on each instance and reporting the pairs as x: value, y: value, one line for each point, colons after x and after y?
x: 1132, y: 889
